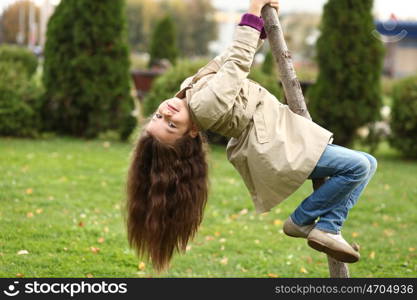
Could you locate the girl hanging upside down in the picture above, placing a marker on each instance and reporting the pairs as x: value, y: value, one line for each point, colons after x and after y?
x: 273, y: 149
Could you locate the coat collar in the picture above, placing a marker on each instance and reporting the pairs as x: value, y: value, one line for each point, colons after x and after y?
x: 211, y: 68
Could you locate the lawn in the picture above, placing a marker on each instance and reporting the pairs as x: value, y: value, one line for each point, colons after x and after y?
x: 61, y: 216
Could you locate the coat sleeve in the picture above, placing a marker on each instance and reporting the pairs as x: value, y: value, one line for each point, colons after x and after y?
x: 218, y: 96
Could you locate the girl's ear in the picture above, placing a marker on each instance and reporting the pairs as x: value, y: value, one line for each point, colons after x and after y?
x: 194, y: 131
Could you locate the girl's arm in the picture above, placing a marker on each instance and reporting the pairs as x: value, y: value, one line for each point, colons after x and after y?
x: 253, y: 19
x: 217, y: 98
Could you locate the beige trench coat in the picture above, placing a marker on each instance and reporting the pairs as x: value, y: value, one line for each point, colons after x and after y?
x: 272, y: 148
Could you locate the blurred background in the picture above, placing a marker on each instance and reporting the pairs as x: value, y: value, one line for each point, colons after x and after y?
x: 168, y: 40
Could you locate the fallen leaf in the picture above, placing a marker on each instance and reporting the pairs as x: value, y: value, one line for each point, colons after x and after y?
x: 277, y: 222
x: 272, y: 275
x: 95, y: 250
x: 20, y: 275
x: 411, y: 249
x: 65, y: 249
x: 106, y: 144
x: 217, y: 233
x: 257, y: 242
x: 222, y: 240
x: 141, y: 266
x: 63, y: 179
x: 29, y: 214
x: 234, y: 217
x: 39, y: 211
x: 224, y: 261
x: 389, y: 232
x: 188, y: 248
x: 22, y: 252
x: 372, y: 255
x: 50, y: 198
x: 89, y: 275
x: 303, y: 270
x: 309, y: 259
x: 355, y: 234
x: 209, y: 238
x: 106, y: 229
x: 81, y: 224
x: 231, y: 180
x: 29, y: 191
x: 100, y: 240
x: 243, y: 211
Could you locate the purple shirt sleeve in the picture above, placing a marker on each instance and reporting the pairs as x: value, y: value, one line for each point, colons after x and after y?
x: 254, y: 22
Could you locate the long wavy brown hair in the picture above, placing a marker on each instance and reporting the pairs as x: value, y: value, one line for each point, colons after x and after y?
x: 167, y: 189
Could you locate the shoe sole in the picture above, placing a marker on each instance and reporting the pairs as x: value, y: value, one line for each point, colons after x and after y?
x: 340, y: 256
x: 295, y: 235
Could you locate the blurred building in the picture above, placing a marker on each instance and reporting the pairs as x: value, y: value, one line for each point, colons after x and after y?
x: 227, y: 16
x: 47, y: 9
x: 400, y: 39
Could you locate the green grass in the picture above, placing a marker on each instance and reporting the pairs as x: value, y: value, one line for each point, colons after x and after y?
x: 61, y: 197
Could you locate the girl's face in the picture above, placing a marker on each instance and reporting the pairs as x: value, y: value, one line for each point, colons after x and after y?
x: 171, y: 121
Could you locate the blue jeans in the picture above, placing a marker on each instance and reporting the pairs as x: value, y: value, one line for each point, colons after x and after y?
x: 349, y: 172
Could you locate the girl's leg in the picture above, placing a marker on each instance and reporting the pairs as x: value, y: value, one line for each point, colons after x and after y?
x: 347, y: 170
x: 358, y: 192
x: 339, y: 214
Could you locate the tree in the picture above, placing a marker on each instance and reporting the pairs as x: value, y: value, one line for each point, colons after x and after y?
x: 202, y: 24
x: 347, y: 93
x: 268, y: 65
x: 194, y: 20
x: 404, y: 117
x: 164, y: 42
x: 142, y: 16
x: 86, y: 69
x: 9, y: 21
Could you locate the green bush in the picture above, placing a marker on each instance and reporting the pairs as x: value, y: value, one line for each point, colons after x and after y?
x: 347, y: 94
x: 27, y: 59
x: 86, y: 70
x: 404, y: 117
x: 268, y: 81
x: 20, y: 101
x: 269, y: 66
x: 166, y: 85
x: 164, y: 42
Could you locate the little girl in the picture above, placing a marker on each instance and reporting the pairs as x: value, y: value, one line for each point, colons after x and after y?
x: 273, y: 149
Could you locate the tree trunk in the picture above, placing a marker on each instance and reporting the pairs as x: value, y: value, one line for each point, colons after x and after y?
x: 295, y: 98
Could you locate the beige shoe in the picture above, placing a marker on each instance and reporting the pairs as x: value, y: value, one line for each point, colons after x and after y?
x: 332, y: 244
x: 294, y: 230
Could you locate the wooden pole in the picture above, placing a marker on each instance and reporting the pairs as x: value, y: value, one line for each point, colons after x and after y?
x: 295, y: 98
